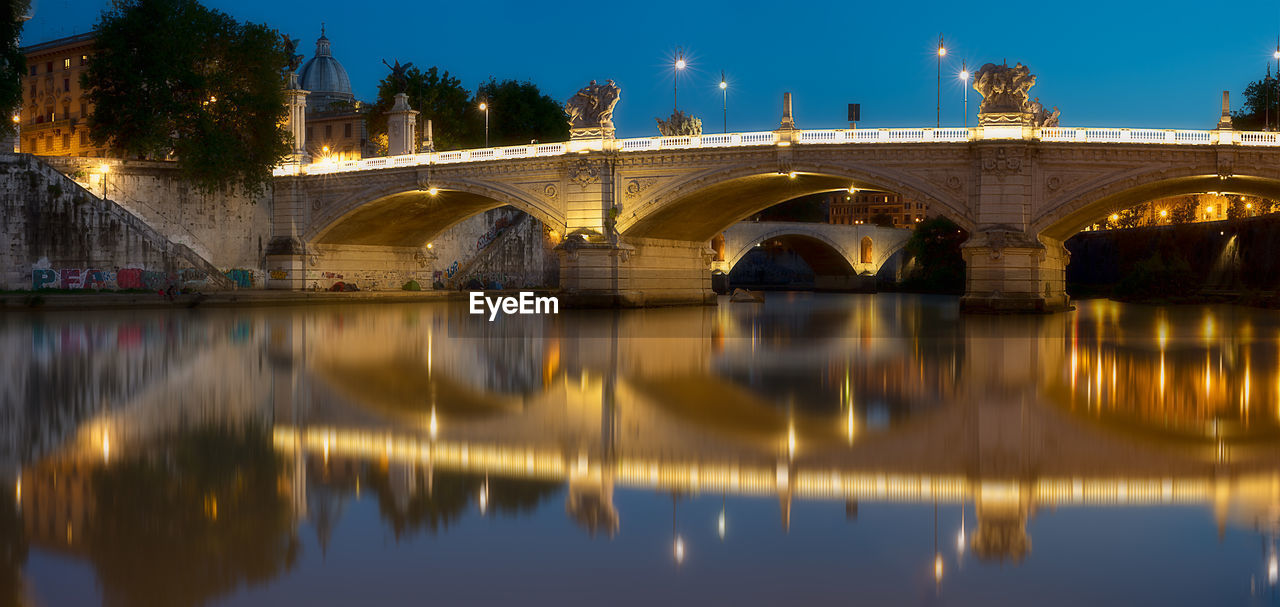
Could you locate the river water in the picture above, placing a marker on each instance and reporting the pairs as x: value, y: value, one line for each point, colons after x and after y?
x: 869, y: 449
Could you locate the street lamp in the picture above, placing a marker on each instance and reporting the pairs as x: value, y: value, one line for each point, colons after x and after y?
x: 104, y: 169
x: 1276, y: 55
x: 724, y: 91
x: 942, y: 52
x: 675, y: 84
x: 964, y: 79
x: 484, y: 107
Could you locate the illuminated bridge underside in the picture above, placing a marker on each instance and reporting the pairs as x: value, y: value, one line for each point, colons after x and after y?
x: 1019, y: 194
x: 745, y: 479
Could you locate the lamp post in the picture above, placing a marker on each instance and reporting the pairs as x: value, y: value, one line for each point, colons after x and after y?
x: 942, y: 52
x: 724, y: 92
x: 1276, y: 55
x: 964, y: 78
x: 484, y: 107
x: 675, y: 81
x: 106, y: 168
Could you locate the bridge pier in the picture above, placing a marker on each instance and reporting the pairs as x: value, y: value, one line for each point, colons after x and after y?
x: 1008, y: 271
x: 636, y: 272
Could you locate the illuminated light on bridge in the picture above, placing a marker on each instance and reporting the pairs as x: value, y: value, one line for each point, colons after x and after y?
x: 759, y: 479
x: 804, y: 137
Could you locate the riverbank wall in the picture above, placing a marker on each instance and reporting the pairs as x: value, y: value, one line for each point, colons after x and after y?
x: 1235, y: 255
x: 56, y: 234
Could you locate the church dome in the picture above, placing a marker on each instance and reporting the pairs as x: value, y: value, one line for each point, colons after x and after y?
x: 324, y: 78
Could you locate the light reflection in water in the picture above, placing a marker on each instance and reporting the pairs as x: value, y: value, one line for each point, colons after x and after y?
x: 873, y: 402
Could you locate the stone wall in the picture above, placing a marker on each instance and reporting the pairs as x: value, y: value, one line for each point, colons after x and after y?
x: 498, y: 247
x: 56, y: 234
x: 229, y: 229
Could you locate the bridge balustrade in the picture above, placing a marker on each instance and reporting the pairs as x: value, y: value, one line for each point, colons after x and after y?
x: 804, y: 137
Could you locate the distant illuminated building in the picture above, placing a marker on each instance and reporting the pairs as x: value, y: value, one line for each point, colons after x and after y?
x: 1193, y: 208
x: 335, y: 120
x: 54, y: 120
x: 862, y: 206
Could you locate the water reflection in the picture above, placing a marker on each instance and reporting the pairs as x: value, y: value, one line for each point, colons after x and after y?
x: 254, y: 434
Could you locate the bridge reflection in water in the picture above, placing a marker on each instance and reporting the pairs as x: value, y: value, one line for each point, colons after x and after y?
x: 278, y: 416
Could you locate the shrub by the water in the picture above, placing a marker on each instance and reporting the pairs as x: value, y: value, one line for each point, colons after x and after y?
x: 1156, y: 277
x: 412, y: 285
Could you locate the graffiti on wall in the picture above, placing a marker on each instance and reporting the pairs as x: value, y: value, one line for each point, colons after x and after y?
x: 492, y: 234
x: 123, y: 278
x: 243, y: 278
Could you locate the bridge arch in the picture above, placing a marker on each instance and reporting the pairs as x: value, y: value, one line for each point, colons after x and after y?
x: 698, y: 206
x: 1073, y: 210
x: 398, y: 214
x: 847, y: 241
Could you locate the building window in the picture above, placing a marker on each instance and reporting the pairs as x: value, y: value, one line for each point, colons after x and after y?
x: 66, y: 85
x: 84, y: 137
x: 346, y: 130
x: 308, y: 133
x: 84, y: 110
x: 33, y: 70
x: 328, y: 132
x: 66, y: 142
x: 84, y: 60
x: 66, y: 63
x: 48, y: 67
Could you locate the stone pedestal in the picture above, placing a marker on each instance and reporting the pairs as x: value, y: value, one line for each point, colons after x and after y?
x: 286, y: 265
x: 1008, y: 271
x: 402, y: 125
x: 1005, y: 125
x: 646, y: 272
x: 296, y: 120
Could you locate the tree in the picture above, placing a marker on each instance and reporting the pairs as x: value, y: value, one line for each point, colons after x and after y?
x: 1129, y: 218
x: 1184, y: 210
x: 939, y: 264
x: 437, y: 97
x: 519, y: 113
x: 13, y: 64
x: 171, y: 78
x: 1258, y: 97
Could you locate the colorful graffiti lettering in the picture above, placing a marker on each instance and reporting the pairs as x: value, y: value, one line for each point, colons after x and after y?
x: 42, y: 279
x: 123, y: 278
x: 492, y: 234
x: 243, y: 278
x: 279, y: 274
x: 451, y: 270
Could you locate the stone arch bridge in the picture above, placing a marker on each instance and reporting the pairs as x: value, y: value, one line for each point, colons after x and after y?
x: 638, y: 215
x: 849, y: 249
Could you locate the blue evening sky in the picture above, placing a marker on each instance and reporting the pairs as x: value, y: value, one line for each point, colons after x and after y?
x: 1104, y: 63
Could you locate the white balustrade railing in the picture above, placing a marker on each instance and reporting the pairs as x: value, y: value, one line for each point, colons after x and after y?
x: 807, y: 137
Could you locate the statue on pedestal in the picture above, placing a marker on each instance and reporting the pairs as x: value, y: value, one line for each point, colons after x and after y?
x: 291, y: 51
x: 679, y: 125
x: 1003, y: 88
x: 1006, y: 99
x: 590, y: 110
x: 398, y: 77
